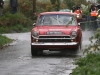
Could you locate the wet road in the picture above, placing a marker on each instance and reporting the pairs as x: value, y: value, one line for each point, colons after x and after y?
x: 16, y: 59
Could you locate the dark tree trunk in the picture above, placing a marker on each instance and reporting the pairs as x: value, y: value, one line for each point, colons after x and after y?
x: 34, y: 7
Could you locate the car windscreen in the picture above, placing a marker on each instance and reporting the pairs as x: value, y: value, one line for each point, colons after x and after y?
x: 57, y: 19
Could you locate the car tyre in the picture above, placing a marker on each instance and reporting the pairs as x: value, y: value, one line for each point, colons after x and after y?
x: 33, y: 51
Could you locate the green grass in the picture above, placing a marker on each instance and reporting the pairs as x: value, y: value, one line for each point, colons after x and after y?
x: 4, y: 40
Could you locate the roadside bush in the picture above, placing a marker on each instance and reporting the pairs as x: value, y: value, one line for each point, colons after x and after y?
x: 90, y: 64
x: 45, y: 7
x: 26, y: 7
x: 95, y: 42
x: 14, y: 22
x: 13, y: 19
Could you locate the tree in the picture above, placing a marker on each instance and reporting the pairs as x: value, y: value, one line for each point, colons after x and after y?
x: 53, y: 1
x: 71, y: 3
x: 98, y: 1
x: 56, y: 4
x: 34, y: 7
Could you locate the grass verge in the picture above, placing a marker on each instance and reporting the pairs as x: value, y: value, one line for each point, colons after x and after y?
x: 4, y: 40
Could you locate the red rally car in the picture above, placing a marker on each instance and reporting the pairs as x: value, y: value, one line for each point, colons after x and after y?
x: 56, y: 31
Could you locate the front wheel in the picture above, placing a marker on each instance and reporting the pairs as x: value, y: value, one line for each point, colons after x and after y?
x: 33, y: 51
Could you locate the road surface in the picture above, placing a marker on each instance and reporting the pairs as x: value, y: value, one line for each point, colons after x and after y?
x: 16, y: 59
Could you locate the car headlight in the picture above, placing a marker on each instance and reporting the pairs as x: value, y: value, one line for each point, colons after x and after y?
x: 78, y: 15
x: 35, y: 34
x: 73, y: 34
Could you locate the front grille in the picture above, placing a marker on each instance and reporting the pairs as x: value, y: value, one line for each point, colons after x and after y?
x: 55, y: 39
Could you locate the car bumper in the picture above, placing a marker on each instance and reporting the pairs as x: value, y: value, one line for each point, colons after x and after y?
x: 55, y: 44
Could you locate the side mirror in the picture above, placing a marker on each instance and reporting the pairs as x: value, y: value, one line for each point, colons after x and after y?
x: 34, y: 24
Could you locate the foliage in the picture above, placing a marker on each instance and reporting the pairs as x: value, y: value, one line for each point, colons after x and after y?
x: 13, y: 29
x: 95, y: 42
x: 56, y: 4
x: 53, y: 1
x: 8, y: 22
x: 98, y: 1
x: 26, y: 7
x: 90, y: 64
x: 71, y: 3
x: 45, y: 7
x: 62, y: 6
x: 4, y: 40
